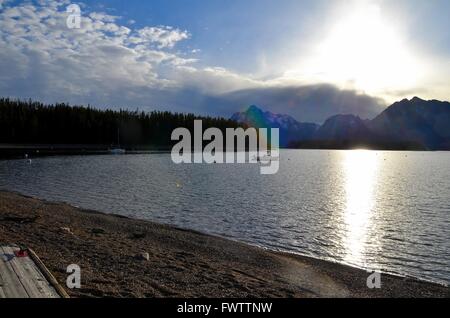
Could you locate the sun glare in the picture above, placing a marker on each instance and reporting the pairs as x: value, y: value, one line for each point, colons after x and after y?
x: 360, y: 168
x: 362, y: 50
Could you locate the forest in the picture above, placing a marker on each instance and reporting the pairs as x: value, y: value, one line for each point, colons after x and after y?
x: 30, y: 122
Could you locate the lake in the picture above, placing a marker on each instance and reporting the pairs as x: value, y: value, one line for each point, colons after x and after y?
x: 376, y: 210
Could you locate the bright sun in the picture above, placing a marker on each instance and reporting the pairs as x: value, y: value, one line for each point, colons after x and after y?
x: 362, y: 51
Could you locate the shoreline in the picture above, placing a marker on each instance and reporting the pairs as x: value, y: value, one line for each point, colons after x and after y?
x: 36, y: 151
x: 124, y: 257
x: 13, y: 152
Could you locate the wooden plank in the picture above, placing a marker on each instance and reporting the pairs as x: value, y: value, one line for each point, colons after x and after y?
x: 2, y: 283
x: 2, y: 293
x: 23, y: 277
x: 48, y: 276
x: 43, y: 286
x: 11, y: 285
x: 28, y: 282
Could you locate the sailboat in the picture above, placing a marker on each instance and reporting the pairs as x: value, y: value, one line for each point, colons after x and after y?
x: 117, y: 150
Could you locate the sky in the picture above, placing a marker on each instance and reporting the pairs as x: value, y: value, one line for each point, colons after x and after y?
x: 307, y: 58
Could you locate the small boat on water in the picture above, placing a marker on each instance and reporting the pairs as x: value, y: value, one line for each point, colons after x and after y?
x: 265, y: 158
x: 268, y: 159
x: 117, y: 150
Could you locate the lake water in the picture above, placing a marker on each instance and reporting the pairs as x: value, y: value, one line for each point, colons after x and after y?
x: 371, y: 209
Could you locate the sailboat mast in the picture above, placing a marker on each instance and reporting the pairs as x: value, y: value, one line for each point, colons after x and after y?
x: 118, y: 137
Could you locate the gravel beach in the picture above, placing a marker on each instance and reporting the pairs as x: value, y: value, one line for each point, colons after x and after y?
x: 122, y: 257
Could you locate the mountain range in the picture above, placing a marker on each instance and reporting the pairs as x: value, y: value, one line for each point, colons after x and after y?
x: 290, y: 129
x: 414, y: 124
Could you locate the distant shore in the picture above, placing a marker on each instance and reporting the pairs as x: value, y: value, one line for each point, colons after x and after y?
x: 11, y: 151
x: 122, y: 257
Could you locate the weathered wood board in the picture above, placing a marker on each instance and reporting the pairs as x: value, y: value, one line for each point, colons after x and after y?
x: 20, y: 277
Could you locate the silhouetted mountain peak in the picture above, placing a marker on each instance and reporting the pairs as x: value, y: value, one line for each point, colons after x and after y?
x: 345, y: 118
x: 416, y: 99
x: 413, y: 101
x: 342, y: 127
x: 417, y: 120
x: 254, y: 108
x: 411, y: 123
x: 290, y: 128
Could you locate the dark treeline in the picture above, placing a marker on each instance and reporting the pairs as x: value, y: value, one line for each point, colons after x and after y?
x: 29, y: 122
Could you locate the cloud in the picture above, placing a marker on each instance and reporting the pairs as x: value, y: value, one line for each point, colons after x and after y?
x: 40, y: 53
x: 107, y: 64
x: 100, y: 16
x: 307, y: 103
x: 164, y: 36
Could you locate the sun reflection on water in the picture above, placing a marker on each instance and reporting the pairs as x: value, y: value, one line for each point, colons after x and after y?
x: 360, y: 172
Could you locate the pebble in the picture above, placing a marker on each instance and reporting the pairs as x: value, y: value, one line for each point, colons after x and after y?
x: 67, y: 229
x: 143, y: 256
